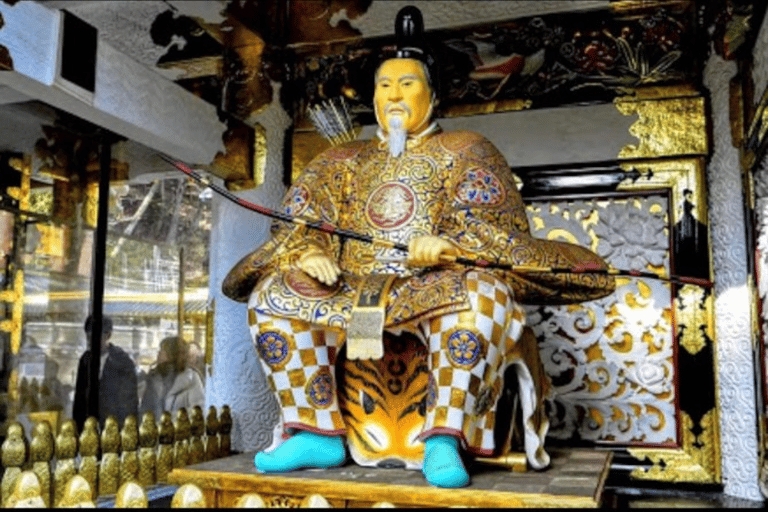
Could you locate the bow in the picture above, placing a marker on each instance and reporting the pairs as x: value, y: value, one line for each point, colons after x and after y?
x: 582, y: 268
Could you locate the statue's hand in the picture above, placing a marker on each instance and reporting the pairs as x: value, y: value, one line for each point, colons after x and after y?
x: 427, y: 251
x: 318, y: 265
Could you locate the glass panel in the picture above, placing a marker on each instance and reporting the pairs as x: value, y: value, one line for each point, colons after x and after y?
x: 156, y: 288
x: 158, y: 247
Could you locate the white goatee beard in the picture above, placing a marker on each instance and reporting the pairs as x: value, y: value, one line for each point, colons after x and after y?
x: 397, y: 136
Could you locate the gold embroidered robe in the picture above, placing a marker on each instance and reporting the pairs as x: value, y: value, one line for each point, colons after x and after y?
x: 454, y: 185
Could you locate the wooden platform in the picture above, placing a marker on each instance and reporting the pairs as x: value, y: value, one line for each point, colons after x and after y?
x: 575, y: 479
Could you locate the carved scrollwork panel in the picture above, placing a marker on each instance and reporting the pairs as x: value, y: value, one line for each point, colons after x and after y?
x: 635, y: 368
x: 611, y: 360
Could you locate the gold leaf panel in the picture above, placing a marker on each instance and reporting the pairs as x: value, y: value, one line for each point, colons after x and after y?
x: 665, y: 127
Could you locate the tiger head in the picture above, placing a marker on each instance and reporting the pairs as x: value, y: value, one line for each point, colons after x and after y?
x: 383, y: 403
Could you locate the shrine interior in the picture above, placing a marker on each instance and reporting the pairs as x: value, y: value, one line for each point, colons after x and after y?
x: 635, y: 128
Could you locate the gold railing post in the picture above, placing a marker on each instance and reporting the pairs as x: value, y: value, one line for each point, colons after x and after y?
x: 66, y: 451
x: 109, y: 469
x: 225, y: 431
x: 129, y: 458
x: 165, y: 448
x: 41, y: 453
x: 89, y: 454
x: 212, y: 447
x: 181, y: 445
x: 14, y: 454
x: 197, y: 429
x: 147, y: 446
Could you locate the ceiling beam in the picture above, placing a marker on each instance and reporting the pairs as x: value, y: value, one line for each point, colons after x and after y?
x: 129, y: 99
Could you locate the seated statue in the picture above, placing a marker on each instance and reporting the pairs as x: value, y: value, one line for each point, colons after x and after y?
x: 444, y: 195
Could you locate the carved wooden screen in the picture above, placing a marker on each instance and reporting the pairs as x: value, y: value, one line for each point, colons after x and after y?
x: 632, y: 371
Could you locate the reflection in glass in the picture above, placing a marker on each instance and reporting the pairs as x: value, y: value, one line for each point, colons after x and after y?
x: 146, y: 274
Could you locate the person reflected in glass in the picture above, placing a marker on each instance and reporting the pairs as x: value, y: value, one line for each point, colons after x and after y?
x: 118, y: 386
x: 173, y: 382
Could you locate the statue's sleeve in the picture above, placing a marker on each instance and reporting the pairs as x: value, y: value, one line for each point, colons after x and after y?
x: 485, y: 217
x: 313, y: 196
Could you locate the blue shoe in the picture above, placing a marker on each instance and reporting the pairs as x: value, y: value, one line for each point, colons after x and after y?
x: 442, y: 463
x: 303, y: 450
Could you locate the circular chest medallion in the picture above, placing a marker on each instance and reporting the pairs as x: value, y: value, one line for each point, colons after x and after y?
x: 391, y: 205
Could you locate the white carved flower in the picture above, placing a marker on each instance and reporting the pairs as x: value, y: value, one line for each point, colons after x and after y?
x: 651, y: 376
x: 631, y: 237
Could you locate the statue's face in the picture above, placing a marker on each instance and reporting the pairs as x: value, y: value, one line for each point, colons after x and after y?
x: 402, y: 91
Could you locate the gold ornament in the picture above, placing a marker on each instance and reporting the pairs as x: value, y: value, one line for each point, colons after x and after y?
x: 197, y: 429
x: 147, y: 444
x: 76, y: 494
x: 27, y: 492
x: 165, y: 450
x: 89, y: 454
x: 211, y: 440
x: 109, y: 471
x: 129, y: 459
x: 225, y: 431
x: 698, y: 461
x: 14, y: 455
x: 66, y: 451
x: 41, y: 453
x: 181, y: 438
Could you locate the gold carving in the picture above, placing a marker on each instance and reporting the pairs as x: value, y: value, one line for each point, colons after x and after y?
x: 282, y: 501
x: 225, y: 430
x: 758, y: 125
x: 181, y: 439
x: 698, y: 461
x: 51, y: 240
x: 242, y: 164
x: 685, y: 178
x: 91, y: 203
x: 667, y: 127
x: 694, y: 318
x: 196, y: 429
